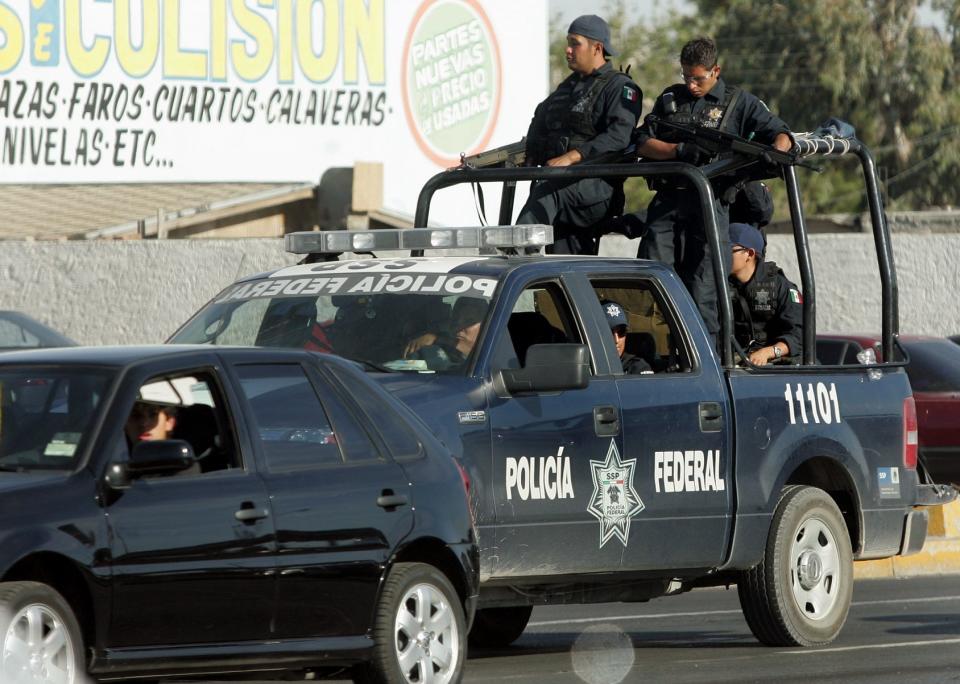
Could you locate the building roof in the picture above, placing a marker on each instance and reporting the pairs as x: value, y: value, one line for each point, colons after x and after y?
x: 58, y: 212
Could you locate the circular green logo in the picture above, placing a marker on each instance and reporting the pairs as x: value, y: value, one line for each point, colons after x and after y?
x: 452, y: 84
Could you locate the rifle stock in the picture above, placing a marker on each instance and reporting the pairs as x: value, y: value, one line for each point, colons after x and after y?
x: 506, y: 156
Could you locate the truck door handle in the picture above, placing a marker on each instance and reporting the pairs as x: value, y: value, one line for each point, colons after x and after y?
x: 606, y: 421
x: 250, y: 514
x: 390, y: 500
x: 711, y: 416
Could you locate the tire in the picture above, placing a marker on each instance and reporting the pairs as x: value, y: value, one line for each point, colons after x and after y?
x: 499, y: 627
x: 799, y: 594
x: 40, y: 638
x: 419, y: 624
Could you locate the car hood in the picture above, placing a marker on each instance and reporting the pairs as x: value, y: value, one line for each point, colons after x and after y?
x: 10, y: 482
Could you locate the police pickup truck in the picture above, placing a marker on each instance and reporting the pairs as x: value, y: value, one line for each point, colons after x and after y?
x: 590, y: 484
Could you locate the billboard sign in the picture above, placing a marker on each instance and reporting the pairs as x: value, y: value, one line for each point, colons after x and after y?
x: 101, y: 91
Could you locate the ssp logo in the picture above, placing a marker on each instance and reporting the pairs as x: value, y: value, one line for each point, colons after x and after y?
x: 451, y: 79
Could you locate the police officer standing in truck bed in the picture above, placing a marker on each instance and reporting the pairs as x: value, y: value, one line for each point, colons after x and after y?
x: 589, y: 117
x: 675, y: 233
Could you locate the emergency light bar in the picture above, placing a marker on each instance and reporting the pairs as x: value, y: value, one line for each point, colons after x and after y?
x: 497, y: 237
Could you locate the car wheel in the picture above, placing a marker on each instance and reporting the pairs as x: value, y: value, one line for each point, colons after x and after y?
x: 498, y: 627
x: 39, y: 636
x: 799, y: 594
x: 419, y: 629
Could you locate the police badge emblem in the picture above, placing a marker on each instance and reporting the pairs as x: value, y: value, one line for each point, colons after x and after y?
x: 614, y: 501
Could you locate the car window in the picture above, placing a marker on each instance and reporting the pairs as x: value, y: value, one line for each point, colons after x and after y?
x: 13, y: 336
x: 541, y: 315
x: 291, y: 424
x: 400, y: 439
x: 187, y: 406
x: 46, y: 416
x: 652, y: 333
x: 387, y: 314
x: 934, y: 366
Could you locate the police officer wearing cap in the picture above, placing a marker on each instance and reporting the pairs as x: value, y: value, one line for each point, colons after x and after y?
x: 617, y: 318
x: 589, y: 117
x: 767, y: 308
x: 675, y: 233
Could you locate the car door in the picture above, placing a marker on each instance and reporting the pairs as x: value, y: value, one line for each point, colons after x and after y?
x: 545, y: 450
x: 340, y: 505
x: 192, y: 553
x: 675, y: 434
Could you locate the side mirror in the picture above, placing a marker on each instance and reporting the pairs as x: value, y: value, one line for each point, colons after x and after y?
x: 154, y: 457
x: 549, y: 368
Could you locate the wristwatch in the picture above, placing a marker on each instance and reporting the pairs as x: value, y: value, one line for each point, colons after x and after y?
x: 776, y: 352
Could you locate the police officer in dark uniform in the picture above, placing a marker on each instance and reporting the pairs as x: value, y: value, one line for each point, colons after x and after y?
x: 589, y: 117
x: 675, y: 232
x: 767, y: 308
x: 617, y: 318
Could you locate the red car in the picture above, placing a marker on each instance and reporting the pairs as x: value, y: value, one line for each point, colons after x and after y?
x: 934, y: 372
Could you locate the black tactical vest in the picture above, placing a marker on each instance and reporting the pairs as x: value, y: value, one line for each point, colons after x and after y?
x: 568, y: 118
x: 754, y: 308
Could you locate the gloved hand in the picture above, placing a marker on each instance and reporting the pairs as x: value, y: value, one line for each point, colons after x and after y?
x: 688, y: 152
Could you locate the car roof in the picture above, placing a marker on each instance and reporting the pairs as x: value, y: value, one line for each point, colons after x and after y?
x: 119, y: 356
x: 493, y: 265
x: 869, y: 339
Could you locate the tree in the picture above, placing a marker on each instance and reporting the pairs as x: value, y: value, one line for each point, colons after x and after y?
x: 864, y: 61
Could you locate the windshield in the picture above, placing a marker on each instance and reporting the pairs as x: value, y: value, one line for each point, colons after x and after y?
x: 46, y: 416
x: 934, y: 366
x: 411, y: 320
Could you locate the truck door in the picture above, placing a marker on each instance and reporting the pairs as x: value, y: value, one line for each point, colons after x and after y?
x: 542, y: 448
x: 675, y: 433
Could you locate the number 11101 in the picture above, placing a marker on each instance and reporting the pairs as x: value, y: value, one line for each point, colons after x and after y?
x: 818, y: 400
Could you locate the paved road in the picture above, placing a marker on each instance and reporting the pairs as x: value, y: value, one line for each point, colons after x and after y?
x: 898, y: 630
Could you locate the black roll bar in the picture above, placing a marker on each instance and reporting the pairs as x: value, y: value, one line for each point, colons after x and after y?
x: 691, y: 173
x: 699, y: 178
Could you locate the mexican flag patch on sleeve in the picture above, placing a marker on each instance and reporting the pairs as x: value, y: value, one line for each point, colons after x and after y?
x: 795, y: 296
x: 629, y: 94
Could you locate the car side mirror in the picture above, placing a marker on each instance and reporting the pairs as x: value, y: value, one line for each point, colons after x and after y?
x: 152, y: 457
x: 549, y: 368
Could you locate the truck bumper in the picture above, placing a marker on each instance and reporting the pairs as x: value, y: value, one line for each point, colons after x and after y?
x: 914, y: 532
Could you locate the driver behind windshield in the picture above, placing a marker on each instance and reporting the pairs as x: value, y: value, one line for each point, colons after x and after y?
x: 451, y: 348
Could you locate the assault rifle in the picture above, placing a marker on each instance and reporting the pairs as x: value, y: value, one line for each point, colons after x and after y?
x: 505, y: 156
x: 715, y: 142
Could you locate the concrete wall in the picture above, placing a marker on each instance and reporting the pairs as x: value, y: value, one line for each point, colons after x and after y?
x: 119, y: 292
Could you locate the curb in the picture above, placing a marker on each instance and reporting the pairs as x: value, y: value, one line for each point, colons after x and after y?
x: 940, y: 554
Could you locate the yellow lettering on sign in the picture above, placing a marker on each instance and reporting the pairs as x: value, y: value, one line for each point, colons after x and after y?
x: 42, y: 42
x: 318, y: 68
x: 178, y: 63
x: 12, y: 46
x: 285, y: 31
x: 218, y: 40
x: 251, y: 66
x: 86, y: 61
x: 363, y: 31
x: 136, y: 61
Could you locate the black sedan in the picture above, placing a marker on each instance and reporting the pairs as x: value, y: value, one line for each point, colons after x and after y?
x: 20, y: 331
x: 172, y: 510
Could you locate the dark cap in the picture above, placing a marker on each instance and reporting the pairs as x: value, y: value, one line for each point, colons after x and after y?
x: 593, y: 27
x: 616, y: 314
x: 745, y: 235
x: 467, y: 311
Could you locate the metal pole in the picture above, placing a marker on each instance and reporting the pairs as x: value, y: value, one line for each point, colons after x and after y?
x: 804, y: 262
x: 890, y: 314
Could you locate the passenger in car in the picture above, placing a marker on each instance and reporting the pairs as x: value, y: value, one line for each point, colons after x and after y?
x: 767, y: 308
x: 617, y: 318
